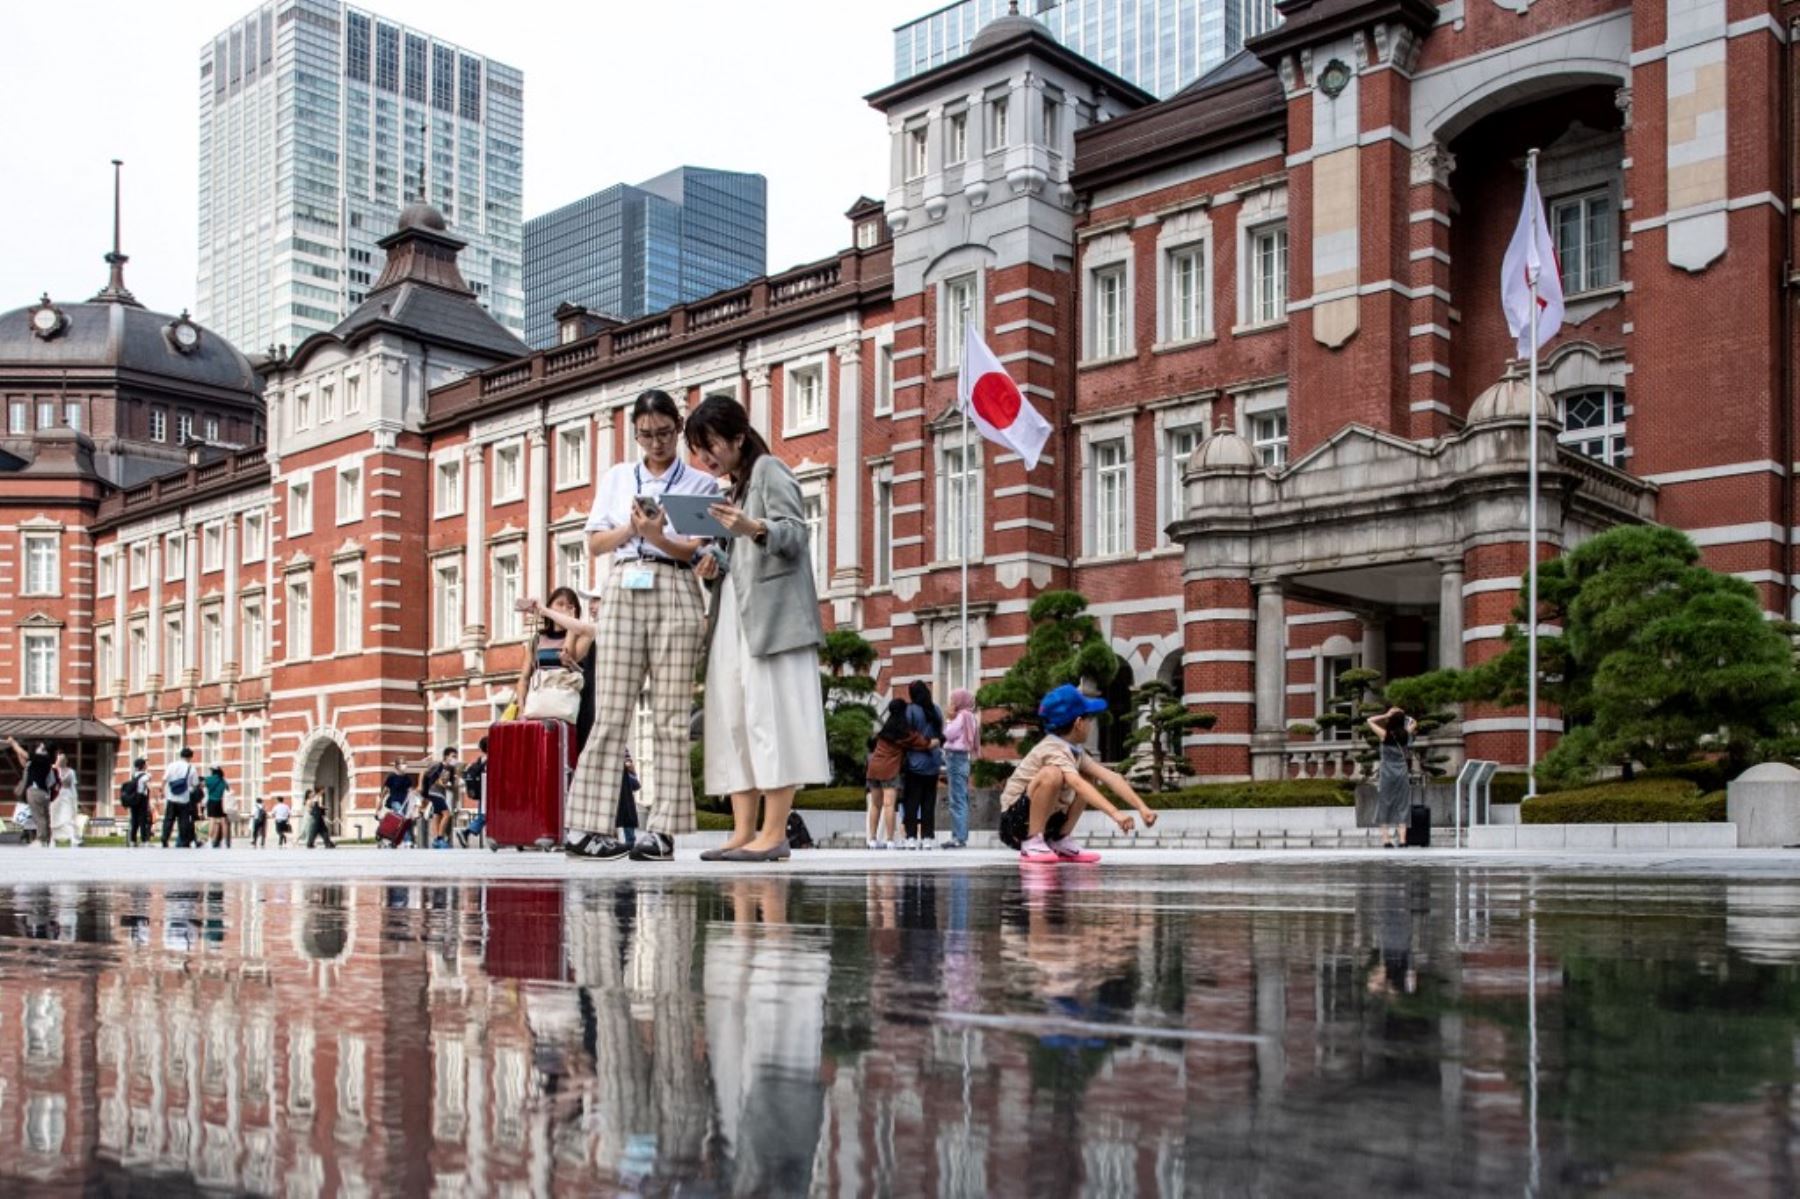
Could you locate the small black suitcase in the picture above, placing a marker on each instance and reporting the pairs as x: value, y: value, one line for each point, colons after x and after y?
x: 1418, y: 827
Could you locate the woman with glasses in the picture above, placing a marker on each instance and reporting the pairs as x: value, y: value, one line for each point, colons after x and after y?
x: 652, y: 619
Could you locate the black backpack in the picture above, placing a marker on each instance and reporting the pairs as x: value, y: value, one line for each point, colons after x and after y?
x: 128, y: 792
x: 798, y: 835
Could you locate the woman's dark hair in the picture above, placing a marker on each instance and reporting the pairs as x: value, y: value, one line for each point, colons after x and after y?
x: 548, y: 627
x: 655, y: 403
x: 720, y: 419
x: 894, y: 727
x: 1395, y: 724
x: 919, y: 692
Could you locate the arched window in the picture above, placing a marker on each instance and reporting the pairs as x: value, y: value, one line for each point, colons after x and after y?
x: 1594, y: 423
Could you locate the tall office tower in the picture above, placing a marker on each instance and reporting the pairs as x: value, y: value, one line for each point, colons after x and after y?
x: 632, y: 250
x: 318, y: 124
x: 1160, y: 45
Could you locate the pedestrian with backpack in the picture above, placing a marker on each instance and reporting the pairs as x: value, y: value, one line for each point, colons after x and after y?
x: 134, y: 797
x: 38, y: 785
x: 181, y: 785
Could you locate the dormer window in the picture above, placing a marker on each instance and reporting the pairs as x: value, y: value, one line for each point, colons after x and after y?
x: 867, y: 234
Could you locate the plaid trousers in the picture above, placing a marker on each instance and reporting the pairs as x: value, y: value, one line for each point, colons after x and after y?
x: 644, y: 637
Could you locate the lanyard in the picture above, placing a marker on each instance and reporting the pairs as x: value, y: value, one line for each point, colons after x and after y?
x: 668, y: 485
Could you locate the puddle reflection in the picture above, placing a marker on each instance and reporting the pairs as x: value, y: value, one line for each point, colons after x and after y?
x: 1257, y: 1030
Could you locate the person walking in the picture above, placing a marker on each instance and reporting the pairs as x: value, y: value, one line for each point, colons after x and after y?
x: 962, y: 740
x: 652, y: 620
x: 181, y: 784
x: 259, y: 823
x: 135, y: 796
x: 439, y: 785
x: 284, y: 817
x: 317, y: 825
x: 65, y: 812
x: 629, y: 786
x: 1393, y: 731
x: 474, y: 780
x: 40, y: 783
x: 919, y: 778
x: 218, y: 807
x: 765, y: 716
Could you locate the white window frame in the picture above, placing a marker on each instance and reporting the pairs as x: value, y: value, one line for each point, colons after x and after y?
x: 1256, y: 213
x: 574, y: 445
x: 327, y: 401
x: 949, y: 441
x: 184, y: 427
x: 1192, y: 420
x: 884, y: 374
x: 353, y: 401
x: 347, y: 620
x: 299, y: 506
x: 999, y: 122
x: 302, y: 409
x: 956, y: 137
x: 1105, y: 259
x: 881, y: 527
x: 818, y: 529
x: 44, y: 552
x: 350, y: 493
x: 104, y: 678
x: 1616, y: 426
x: 449, y: 467
x: 211, y: 426
x: 447, y: 610
x: 212, y: 643
x: 255, y: 547
x: 212, y: 546
x: 137, y: 654
x: 253, y: 651
x: 105, y: 581
x: 795, y: 374
x: 1577, y: 276
x: 18, y: 418
x: 138, y: 554
x: 507, y: 625
x: 40, y: 655
x: 916, y: 147
x: 174, y: 556
x: 297, y: 633
x: 578, y: 559
x: 1270, y: 452
x: 1120, y: 540
x: 250, y: 766
x: 1184, y: 234
x: 512, y: 450
x: 950, y: 321
x: 174, y: 635
x: 946, y: 665
x: 159, y: 424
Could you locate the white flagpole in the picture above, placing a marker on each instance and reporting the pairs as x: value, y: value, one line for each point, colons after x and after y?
x: 1531, y: 602
x: 963, y: 643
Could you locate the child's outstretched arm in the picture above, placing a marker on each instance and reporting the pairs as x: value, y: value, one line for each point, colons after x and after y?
x: 1092, y: 797
x: 1115, y: 782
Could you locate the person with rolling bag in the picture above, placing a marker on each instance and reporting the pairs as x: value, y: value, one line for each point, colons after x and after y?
x: 1394, y: 806
x: 531, y: 757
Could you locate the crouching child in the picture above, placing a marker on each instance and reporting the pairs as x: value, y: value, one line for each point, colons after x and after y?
x: 1058, y: 780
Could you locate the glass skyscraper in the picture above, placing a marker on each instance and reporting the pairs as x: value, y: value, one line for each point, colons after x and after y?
x: 1160, y: 45
x: 319, y: 122
x: 632, y: 250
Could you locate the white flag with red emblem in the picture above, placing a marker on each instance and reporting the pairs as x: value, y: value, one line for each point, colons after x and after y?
x: 993, y: 401
x: 1531, y: 253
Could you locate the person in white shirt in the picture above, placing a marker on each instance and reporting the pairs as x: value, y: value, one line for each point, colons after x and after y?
x: 181, y: 791
x: 64, y: 812
x: 652, y: 622
x: 284, y: 816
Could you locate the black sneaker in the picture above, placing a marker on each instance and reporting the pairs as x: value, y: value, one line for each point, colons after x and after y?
x: 597, y: 847
x: 653, y: 847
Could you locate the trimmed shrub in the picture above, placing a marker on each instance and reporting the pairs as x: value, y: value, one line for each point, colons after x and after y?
x: 1509, y: 788
x: 1641, y: 801
x: 1704, y: 774
x: 1281, y: 793
x: 831, y: 799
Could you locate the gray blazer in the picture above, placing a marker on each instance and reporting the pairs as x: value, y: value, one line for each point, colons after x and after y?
x: 777, y: 602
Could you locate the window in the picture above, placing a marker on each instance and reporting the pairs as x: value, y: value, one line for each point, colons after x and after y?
x: 212, y: 428
x: 999, y: 122
x: 505, y: 620
x: 327, y: 402
x: 812, y: 510
x: 959, y: 497
x: 1594, y: 424
x: 250, y: 657
x: 956, y: 141
x: 212, y: 644
x: 250, y: 770
x: 253, y: 537
x: 884, y: 532
x: 867, y: 234
x: 104, y: 677
x: 805, y: 407
x: 41, y: 675
x: 449, y: 487
x: 184, y: 428
x: 1112, y: 471
x: 349, y: 494
x: 572, y: 562
x: 352, y: 394
x: 140, y: 566
x: 299, y: 620
x: 1586, y: 241
x: 916, y: 143
x: 447, y: 605
x: 571, y: 457
x: 46, y: 414
x: 509, y: 474
x: 349, y: 609
x: 1269, y: 272
x: 302, y: 411
x: 299, y: 519
x: 212, y: 547
x: 1269, y: 435
x: 174, y: 647
x: 159, y: 425
x: 18, y: 418
x: 1052, y: 120
x: 1178, y: 444
x: 1186, y: 273
x: 956, y: 303
x: 138, y: 640
x: 174, y: 557
x: 1109, y: 312
x: 884, y: 378
x: 105, y: 580
x: 72, y: 414
x: 40, y: 563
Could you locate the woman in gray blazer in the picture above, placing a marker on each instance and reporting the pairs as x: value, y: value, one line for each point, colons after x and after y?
x: 765, y: 717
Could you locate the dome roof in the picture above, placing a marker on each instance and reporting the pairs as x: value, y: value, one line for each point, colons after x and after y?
x: 1508, y: 400
x: 1005, y: 28
x: 125, y: 337
x: 420, y: 215
x: 1225, y: 448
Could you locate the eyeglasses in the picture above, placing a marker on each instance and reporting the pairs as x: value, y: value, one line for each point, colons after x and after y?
x: 654, y: 436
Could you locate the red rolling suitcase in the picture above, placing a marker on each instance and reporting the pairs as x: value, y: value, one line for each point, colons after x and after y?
x: 524, y: 931
x: 390, y: 828
x: 527, y: 780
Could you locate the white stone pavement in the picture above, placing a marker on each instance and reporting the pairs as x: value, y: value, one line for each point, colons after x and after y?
x: 113, y: 864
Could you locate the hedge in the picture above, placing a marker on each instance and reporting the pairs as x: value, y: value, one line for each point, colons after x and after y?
x: 1287, y: 793
x: 1641, y: 801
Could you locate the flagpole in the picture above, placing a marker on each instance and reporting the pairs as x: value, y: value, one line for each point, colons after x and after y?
x: 963, y: 402
x: 1531, y: 602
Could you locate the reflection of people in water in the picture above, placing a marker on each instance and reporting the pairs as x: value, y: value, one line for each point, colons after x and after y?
x: 1395, y: 974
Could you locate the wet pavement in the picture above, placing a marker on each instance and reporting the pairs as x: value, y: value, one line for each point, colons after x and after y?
x: 1274, y: 1026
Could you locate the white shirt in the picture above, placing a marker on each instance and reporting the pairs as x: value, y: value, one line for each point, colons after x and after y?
x: 282, y: 813
x: 175, y: 772
x: 619, y: 489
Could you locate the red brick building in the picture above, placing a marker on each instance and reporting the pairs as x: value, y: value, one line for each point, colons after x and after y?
x: 1291, y: 267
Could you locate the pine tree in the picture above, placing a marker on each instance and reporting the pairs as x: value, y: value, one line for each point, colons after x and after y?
x: 850, y: 715
x: 1065, y: 646
x: 1160, y: 719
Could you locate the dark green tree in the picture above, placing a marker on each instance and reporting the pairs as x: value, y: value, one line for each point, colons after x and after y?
x: 1658, y: 659
x: 850, y: 716
x: 1159, y: 719
x: 1065, y: 646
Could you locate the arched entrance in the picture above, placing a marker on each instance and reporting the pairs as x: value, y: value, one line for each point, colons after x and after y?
x: 324, y: 768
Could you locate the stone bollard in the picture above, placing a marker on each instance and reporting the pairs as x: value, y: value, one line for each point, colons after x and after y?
x: 1764, y: 803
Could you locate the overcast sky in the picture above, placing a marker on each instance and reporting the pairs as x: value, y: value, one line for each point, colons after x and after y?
x: 615, y: 91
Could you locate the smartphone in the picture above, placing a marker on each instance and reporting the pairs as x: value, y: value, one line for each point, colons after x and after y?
x: 649, y: 507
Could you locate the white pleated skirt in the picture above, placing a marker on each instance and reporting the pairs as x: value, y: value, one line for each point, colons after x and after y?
x: 765, y: 717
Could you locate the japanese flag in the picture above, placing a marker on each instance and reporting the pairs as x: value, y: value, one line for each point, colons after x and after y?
x: 993, y: 401
x: 1531, y: 254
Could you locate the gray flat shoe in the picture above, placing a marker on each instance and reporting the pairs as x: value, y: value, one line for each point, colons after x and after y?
x: 780, y: 853
x: 716, y: 855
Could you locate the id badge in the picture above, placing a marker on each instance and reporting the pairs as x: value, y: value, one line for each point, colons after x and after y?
x: 638, y: 578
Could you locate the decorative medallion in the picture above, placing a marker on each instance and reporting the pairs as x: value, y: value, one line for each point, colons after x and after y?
x: 1334, y: 78
x: 47, y: 320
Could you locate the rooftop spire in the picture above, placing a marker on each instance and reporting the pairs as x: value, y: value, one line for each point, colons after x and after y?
x: 115, y: 291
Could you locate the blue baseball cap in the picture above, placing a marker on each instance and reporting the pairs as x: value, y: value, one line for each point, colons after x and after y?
x: 1066, y: 704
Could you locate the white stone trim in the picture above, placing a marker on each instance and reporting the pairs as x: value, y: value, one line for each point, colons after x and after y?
x: 1210, y: 615
x: 1512, y: 724
x: 1733, y: 204
x: 1757, y: 530
x: 1479, y: 586
x: 1697, y: 474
